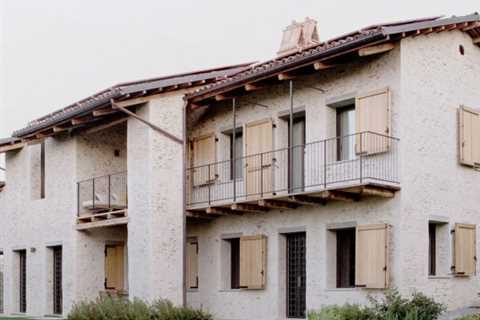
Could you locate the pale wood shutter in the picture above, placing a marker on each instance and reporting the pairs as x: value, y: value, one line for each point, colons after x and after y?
x: 371, y: 256
x: 465, y: 249
x: 372, y: 121
x: 192, y: 265
x: 253, y: 262
x: 204, y: 158
x: 258, y: 162
x: 114, y: 267
x: 469, y: 136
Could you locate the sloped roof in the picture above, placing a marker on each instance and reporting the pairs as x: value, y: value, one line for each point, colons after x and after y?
x: 126, y: 89
x: 372, y: 34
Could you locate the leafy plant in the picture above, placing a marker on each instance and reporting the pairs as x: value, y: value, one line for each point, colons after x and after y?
x: 108, y: 308
x: 392, y: 306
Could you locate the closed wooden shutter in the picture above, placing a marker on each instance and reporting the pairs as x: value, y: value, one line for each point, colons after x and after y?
x: 372, y: 114
x: 371, y: 257
x: 253, y: 261
x: 204, y: 158
x: 469, y: 136
x: 258, y: 144
x: 192, y: 265
x: 465, y: 249
x: 114, y: 267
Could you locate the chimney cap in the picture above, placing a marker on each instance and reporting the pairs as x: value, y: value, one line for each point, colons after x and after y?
x: 298, y: 36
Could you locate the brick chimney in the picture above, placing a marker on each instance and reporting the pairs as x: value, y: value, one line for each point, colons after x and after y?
x: 298, y: 36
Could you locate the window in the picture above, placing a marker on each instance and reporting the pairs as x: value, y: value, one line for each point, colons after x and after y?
x: 296, y: 178
x: 296, y: 274
x: 432, y: 249
x: 234, y: 263
x: 345, y: 133
x: 37, y: 171
x: 245, y: 261
x: 469, y: 136
x: 22, y: 280
x: 345, y: 258
x: 57, y: 280
x: 192, y: 264
x: 238, y: 148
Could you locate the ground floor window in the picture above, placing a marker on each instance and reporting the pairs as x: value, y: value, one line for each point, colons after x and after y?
x: 57, y: 280
x: 432, y: 249
x: 22, y: 280
x: 192, y: 264
x: 114, y: 267
x: 234, y: 263
x: 345, y: 258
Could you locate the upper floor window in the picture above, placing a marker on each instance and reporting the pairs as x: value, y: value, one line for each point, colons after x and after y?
x: 345, y: 133
x: 236, y: 150
x: 37, y: 171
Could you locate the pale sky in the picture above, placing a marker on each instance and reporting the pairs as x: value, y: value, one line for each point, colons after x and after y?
x: 54, y: 52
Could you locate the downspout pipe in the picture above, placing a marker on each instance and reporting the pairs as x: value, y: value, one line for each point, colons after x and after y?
x: 184, y: 201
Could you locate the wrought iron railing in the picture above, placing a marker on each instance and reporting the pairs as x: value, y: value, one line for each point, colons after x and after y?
x: 360, y: 158
x: 101, y: 194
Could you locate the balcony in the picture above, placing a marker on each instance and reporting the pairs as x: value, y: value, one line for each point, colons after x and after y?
x: 102, y: 201
x: 344, y: 168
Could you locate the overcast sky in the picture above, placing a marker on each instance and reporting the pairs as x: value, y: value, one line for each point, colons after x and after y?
x: 54, y: 52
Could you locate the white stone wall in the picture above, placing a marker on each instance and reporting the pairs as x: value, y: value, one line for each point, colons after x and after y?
x: 155, y: 228
x: 436, y: 80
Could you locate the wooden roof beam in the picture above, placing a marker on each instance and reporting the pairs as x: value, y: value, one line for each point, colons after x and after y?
x: 377, y: 49
x: 103, y: 112
x: 322, y: 66
x: 13, y: 146
x: 286, y: 76
x: 81, y: 120
x: 253, y: 87
x: 222, y: 97
x: 472, y: 26
x: 476, y: 40
x: 277, y: 204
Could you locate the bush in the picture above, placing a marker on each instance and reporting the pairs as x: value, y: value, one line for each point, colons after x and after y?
x: 470, y: 317
x: 391, y: 307
x: 108, y: 308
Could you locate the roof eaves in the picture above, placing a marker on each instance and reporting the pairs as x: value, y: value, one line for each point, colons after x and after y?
x: 274, y: 66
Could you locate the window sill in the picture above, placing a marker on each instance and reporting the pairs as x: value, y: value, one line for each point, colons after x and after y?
x: 342, y: 289
x: 230, y: 290
x: 440, y: 277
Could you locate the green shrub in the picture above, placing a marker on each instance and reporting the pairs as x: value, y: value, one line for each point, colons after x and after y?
x: 108, y: 308
x: 470, y: 317
x: 391, y: 307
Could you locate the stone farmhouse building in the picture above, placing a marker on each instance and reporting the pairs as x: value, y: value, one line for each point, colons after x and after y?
x: 331, y: 172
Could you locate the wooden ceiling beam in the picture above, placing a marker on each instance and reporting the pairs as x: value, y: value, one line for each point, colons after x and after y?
x: 81, y: 120
x: 472, y: 26
x: 10, y: 147
x: 277, y: 204
x: 476, y: 40
x: 381, y: 48
x: 242, y: 207
x: 220, y: 211
x: 440, y: 29
x: 222, y: 97
x: 308, y: 200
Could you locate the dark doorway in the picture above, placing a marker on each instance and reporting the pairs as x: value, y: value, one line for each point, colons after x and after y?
x: 296, y: 275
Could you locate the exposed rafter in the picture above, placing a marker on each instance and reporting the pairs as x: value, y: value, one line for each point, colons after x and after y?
x: 381, y: 48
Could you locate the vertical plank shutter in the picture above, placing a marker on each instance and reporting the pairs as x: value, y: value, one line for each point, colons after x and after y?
x: 469, y: 136
x: 258, y: 144
x: 371, y: 258
x: 253, y: 258
x: 465, y: 249
x: 373, y: 119
x: 204, y: 158
x: 114, y: 268
x: 192, y: 265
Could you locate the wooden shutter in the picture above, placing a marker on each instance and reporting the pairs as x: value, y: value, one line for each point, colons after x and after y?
x: 372, y: 117
x: 204, y: 158
x: 253, y: 260
x: 114, y: 267
x: 469, y: 136
x: 192, y: 265
x: 371, y: 256
x: 465, y: 249
x: 258, y: 144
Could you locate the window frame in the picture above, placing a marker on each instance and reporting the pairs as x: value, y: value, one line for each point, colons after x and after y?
x: 351, y: 265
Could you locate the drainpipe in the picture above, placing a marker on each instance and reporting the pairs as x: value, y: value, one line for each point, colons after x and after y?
x: 184, y: 202
x: 234, y: 151
x: 290, y: 141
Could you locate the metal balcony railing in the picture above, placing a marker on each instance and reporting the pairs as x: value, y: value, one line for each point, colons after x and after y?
x: 100, y: 194
x: 360, y: 158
